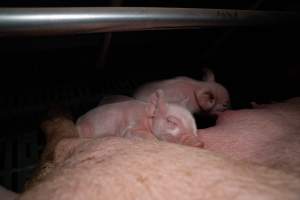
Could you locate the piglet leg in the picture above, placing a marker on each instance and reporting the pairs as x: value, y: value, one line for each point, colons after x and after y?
x: 139, y: 134
x: 191, y: 140
x: 184, y: 139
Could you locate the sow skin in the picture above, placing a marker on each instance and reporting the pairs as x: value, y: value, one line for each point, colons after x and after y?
x: 121, y: 168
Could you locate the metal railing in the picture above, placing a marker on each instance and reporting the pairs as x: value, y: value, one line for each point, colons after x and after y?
x: 72, y: 20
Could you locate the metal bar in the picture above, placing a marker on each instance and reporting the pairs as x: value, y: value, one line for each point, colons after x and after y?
x: 55, y: 21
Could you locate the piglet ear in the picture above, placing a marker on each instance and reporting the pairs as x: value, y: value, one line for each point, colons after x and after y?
x: 205, y: 99
x: 208, y: 75
x: 157, y: 104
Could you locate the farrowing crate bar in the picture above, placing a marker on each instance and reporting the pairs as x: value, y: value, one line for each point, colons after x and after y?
x: 72, y: 20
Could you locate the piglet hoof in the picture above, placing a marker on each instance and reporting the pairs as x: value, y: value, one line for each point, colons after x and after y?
x: 192, y: 141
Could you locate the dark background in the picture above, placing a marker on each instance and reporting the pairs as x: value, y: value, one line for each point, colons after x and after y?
x: 255, y: 64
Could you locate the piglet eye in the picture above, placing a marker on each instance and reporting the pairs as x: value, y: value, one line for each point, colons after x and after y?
x: 172, y: 122
x: 211, y: 97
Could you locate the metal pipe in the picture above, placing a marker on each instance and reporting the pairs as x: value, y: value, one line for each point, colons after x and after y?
x: 56, y: 21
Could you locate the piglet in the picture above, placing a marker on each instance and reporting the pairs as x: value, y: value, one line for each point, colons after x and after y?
x: 135, y: 118
x: 205, y: 96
